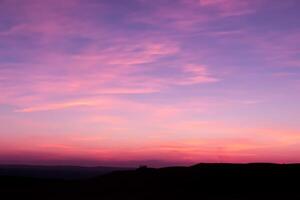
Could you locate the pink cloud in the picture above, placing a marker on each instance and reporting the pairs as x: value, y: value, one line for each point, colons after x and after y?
x: 113, y: 71
x: 58, y: 106
x: 128, y: 52
x: 196, y: 74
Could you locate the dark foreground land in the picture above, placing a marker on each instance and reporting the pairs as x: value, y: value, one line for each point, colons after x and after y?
x: 203, y: 181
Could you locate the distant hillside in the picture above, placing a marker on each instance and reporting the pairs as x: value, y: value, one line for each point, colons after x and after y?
x: 55, y: 172
x: 202, y: 181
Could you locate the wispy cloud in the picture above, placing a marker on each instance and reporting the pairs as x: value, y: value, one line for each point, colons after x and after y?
x: 230, y: 7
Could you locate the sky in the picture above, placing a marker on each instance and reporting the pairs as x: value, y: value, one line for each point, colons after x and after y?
x: 164, y: 82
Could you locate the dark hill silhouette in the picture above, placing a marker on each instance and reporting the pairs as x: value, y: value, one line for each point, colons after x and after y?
x: 55, y: 172
x: 202, y: 181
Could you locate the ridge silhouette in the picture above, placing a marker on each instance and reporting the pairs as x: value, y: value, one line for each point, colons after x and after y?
x: 201, y: 181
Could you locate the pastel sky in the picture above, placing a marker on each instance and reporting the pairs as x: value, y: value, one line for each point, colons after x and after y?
x: 129, y: 82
